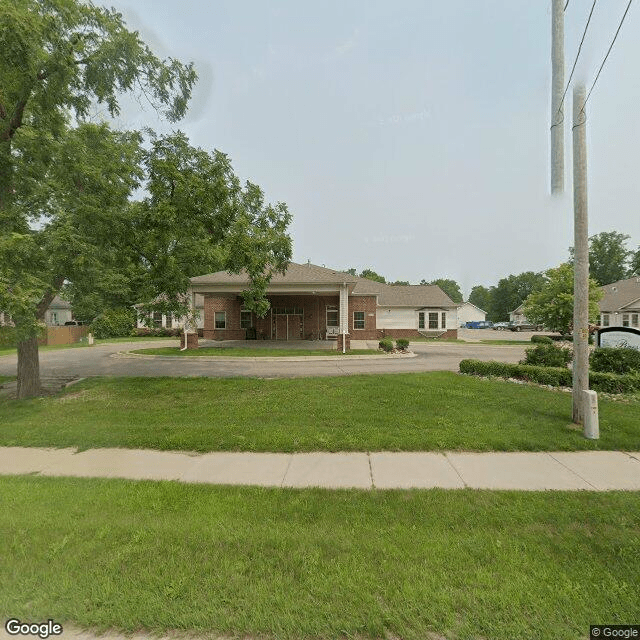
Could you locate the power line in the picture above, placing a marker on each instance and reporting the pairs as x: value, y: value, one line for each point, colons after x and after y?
x: 575, y: 62
x: 608, y: 52
x: 566, y: 5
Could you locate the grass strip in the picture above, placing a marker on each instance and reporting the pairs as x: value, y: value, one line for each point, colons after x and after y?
x: 317, y: 564
x: 393, y: 412
x: 257, y: 352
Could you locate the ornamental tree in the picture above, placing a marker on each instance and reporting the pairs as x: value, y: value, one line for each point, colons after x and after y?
x: 552, y: 305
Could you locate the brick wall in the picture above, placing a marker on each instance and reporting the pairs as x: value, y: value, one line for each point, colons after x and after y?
x: 366, y: 304
x: 231, y: 305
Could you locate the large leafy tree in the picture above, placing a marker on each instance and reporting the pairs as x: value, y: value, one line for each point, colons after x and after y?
x: 369, y: 274
x: 608, y: 256
x: 65, y: 185
x: 450, y: 287
x: 481, y: 297
x: 552, y: 305
x: 511, y: 292
x: 634, y: 264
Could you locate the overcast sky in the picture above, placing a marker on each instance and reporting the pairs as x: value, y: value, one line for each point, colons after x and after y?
x: 411, y: 137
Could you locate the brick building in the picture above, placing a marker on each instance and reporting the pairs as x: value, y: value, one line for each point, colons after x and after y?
x: 310, y: 302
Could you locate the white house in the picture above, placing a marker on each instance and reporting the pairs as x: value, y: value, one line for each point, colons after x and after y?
x: 468, y: 312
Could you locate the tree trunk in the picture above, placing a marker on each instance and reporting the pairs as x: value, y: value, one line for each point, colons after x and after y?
x: 28, y: 368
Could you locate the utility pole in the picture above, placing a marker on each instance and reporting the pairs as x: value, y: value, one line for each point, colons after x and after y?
x: 557, y: 86
x: 581, y: 256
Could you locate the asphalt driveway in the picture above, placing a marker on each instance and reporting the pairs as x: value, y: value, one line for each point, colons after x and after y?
x: 104, y: 360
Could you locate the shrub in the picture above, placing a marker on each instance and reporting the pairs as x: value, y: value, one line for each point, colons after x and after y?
x: 554, y: 376
x: 386, y: 344
x: 541, y: 339
x: 562, y: 338
x: 547, y: 355
x: 618, y: 360
x: 402, y: 343
x: 114, y: 323
x: 155, y: 332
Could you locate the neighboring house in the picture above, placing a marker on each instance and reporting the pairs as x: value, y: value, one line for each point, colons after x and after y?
x: 468, y: 312
x: 58, y: 313
x: 159, y: 319
x: 620, y: 305
x: 517, y: 317
x: 312, y: 302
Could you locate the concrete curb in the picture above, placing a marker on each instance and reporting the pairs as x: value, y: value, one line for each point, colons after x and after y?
x: 382, y: 356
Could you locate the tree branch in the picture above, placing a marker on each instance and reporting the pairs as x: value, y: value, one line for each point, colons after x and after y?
x: 43, y: 305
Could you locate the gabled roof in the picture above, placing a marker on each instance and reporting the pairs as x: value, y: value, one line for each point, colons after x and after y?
x: 621, y: 294
x: 59, y: 303
x: 471, y: 305
x: 388, y: 295
x: 295, y: 274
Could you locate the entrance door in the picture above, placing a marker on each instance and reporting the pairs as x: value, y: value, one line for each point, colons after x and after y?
x: 281, y: 327
x: 294, y: 330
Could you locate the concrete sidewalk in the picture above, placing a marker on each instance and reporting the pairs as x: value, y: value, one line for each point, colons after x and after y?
x: 588, y: 470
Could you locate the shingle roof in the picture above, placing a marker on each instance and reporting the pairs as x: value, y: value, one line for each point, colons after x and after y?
x: 295, y: 274
x: 388, y: 295
x: 621, y: 294
x: 59, y: 303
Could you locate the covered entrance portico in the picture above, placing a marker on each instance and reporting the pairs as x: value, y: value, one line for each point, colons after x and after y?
x: 297, y: 312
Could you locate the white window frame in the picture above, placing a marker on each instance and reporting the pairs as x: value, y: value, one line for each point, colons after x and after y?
x: 424, y: 320
x: 605, y: 319
x: 437, y: 315
x: 332, y: 309
x: 625, y: 320
x: 215, y: 320
x: 634, y: 319
x: 364, y: 320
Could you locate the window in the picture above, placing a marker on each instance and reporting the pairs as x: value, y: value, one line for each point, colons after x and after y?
x: 605, y: 319
x: 246, y: 319
x: 221, y: 320
x: 421, y: 320
x: 444, y: 321
x: 54, y: 317
x: 332, y: 317
x: 287, y: 311
x: 157, y: 318
x: 625, y: 320
x: 168, y: 321
x: 433, y: 320
x: 358, y: 319
x: 634, y: 319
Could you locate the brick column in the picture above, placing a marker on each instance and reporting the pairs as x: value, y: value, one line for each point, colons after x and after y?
x: 192, y: 340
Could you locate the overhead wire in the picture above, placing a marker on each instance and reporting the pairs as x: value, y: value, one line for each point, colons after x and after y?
x: 606, y: 56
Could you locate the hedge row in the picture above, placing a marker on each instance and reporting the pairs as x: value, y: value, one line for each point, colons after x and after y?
x: 554, y: 376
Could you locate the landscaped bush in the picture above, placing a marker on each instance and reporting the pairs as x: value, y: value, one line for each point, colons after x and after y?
x: 114, y: 323
x: 541, y: 339
x: 554, y: 376
x: 618, y: 360
x: 547, y: 355
x: 386, y: 344
x: 155, y: 332
x: 564, y: 338
x: 402, y: 343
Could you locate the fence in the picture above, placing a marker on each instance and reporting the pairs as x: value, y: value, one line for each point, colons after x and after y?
x: 65, y: 335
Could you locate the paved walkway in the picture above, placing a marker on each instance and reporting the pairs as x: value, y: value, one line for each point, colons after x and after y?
x: 590, y: 470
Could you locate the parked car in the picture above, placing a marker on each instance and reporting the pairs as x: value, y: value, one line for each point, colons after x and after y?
x: 502, y: 326
x: 479, y: 324
x: 73, y: 323
x: 526, y: 326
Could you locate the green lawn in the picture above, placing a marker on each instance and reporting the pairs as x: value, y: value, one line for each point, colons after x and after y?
x: 6, y: 378
x: 394, y: 412
x: 313, y: 563
x: 5, y: 351
x: 251, y: 352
